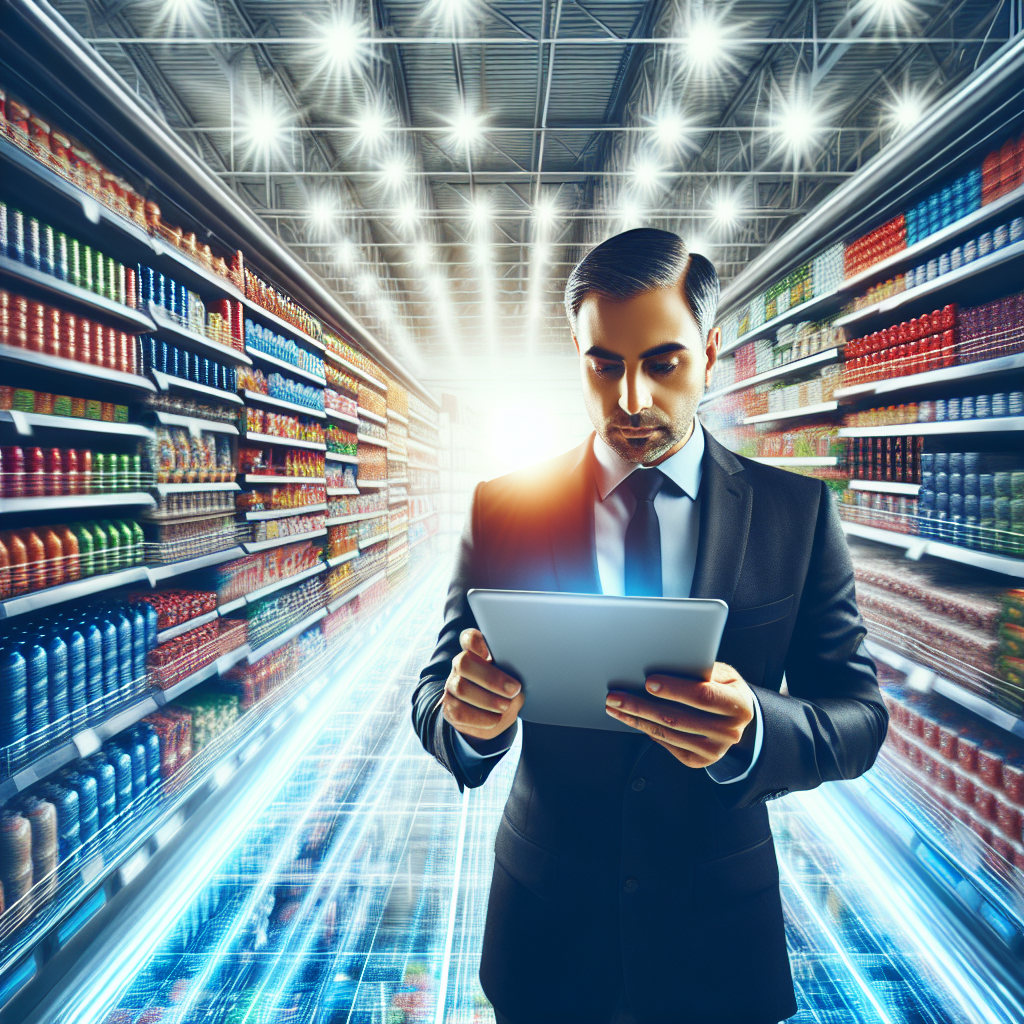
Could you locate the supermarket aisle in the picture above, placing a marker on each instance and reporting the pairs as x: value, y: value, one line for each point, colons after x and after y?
x: 359, y: 892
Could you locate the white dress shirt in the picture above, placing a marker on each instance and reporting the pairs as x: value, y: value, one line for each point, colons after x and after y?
x: 679, y: 519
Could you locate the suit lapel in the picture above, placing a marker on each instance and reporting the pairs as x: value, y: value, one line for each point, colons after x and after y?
x: 726, y: 502
x: 572, y: 529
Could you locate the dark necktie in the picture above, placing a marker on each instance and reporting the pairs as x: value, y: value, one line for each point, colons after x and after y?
x: 643, y: 535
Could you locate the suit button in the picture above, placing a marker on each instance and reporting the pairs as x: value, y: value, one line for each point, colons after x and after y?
x: 639, y: 784
x: 630, y: 885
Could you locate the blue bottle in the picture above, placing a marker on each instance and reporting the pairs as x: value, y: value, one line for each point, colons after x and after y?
x: 124, y: 647
x: 131, y: 744
x: 13, y: 702
x: 84, y: 785
x: 65, y: 800
x: 57, y: 671
x: 77, y: 673
x: 106, y: 787
x: 93, y: 665
x: 38, y: 687
x: 150, y: 739
x: 122, y: 765
x: 111, y: 675
x: 139, y: 649
x: 152, y: 625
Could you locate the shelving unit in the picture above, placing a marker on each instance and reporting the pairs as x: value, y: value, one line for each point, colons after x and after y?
x: 166, y: 327
x: 281, y: 364
x: 788, y: 414
x: 884, y: 487
x: 251, y: 547
x: 75, y: 501
x: 785, y: 370
x: 73, y: 368
x: 285, y: 442
x: 279, y: 403
x: 982, y: 426
x: 166, y: 382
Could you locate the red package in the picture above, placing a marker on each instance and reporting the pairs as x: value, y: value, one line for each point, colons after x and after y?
x: 1008, y: 818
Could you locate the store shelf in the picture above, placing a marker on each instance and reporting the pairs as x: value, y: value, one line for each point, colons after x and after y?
x: 798, y: 460
x: 413, y: 415
x: 289, y: 634
x: 186, y: 488
x: 280, y: 403
x: 793, y: 313
x: 420, y: 540
x: 231, y: 606
x: 24, y: 422
x: 369, y: 542
x: 366, y: 439
x: 72, y: 591
x: 399, y: 481
x: 918, y: 546
x: 788, y: 414
x: 215, y: 668
x: 182, y: 268
x: 259, y: 313
x: 285, y: 442
x: 341, y: 417
x: 355, y: 591
x: 909, y: 254
x: 283, y: 364
x: 114, y: 313
x: 884, y: 487
x: 345, y: 556
x: 353, y: 369
x: 74, y: 368
x: 422, y: 445
x: 281, y: 513
x: 263, y: 478
x: 398, y: 417
x: 288, y: 581
x: 335, y: 492
x: 424, y: 515
x: 978, y: 266
x: 172, y: 631
x: 158, y: 573
x: 57, y: 502
x: 425, y: 466
x: 830, y: 355
x: 351, y: 460
x: 983, y: 368
x: 395, y: 457
x: 396, y: 499
x: 251, y: 547
x: 165, y: 382
x: 357, y: 517
x: 167, y: 328
x: 194, y: 424
x: 1001, y: 424
x: 369, y: 485
x: 373, y: 417
x: 404, y: 528
x: 925, y: 679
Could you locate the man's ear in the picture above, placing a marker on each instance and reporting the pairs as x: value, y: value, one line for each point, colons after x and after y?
x: 711, y: 350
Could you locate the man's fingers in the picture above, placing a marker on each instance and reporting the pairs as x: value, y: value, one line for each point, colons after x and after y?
x: 484, y: 673
x: 470, y: 693
x: 473, y: 640
x: 682, y: 740
x: 678, y: 718
x: 462, y: 715
x: 687, y: 757
x: 717, y: 696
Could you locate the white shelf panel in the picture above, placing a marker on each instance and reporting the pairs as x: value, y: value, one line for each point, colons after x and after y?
x: 172, y: 631
x: 351, y: 460
x: 186, y: 488
x: 282, y: 513
x: 918, y: 546
x: 829, y: 355
x: 366, y: 439
x: 288, y: 581
x: 370, y: 485
x: 279, y: 323
x: 24, y: 422
x: 422, y: 445
x: 798, y: 460
x: 262, y: 478
x: 983, y: 368
x: 158, y: 573
x: 345, y: 556
x: 251, y: 547
x: 289, y: 634
x: 398, y: 417
x: 789, y: 414
x: 194, y: 424
x: 74, y: 368
x: 395, y: 457
x: 369, y: 542
x: 63, y: 592
x: 399, y: 481
x: 283, y: 364
x: 978, y: 266
x: 341, y: 417
x: 335, y: 492
x: 350, y: 595
x: 885, y: 487
x: 280, y: 403
x: 358, y: 517
x: 50, y: 503
x: 353, y: 369
x: 999, y: 424
x: 373, y: 417
x: 168, y: 328
x: 416, y: 416
x: 285, y: 442
x: 166, y: 382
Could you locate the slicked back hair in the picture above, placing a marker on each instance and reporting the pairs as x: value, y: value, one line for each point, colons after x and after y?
x: 642, y: 259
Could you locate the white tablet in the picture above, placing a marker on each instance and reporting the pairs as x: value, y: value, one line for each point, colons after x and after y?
x: 569, y: 650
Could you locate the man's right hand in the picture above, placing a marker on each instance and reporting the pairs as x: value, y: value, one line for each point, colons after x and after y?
x: 480, y: 700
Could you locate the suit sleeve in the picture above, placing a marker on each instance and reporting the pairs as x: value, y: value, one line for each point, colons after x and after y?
x: 436, y: 735
x: 832, y: 723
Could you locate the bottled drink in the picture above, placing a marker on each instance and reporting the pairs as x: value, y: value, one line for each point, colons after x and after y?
x: 106, y: 787
x: 111, y: 671
x: 86, y: 545
x: 54, y: 556
x: 139, y: 649
x: 13, y: 697
x: 126, y: 541
x: 115, y: 555
x: 38, y: 686
x: 100, y: 544
x: 93, y: 664
x: 77, y: 673
x: 72, y: 559
x: 138, y: 543
x: 57, y: 674
x: 124, y: 648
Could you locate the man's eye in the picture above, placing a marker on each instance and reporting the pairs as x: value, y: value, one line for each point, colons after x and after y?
x: 607, y: 369
x: 662, y: 368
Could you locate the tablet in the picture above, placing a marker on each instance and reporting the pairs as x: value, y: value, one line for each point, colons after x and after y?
x: 569, y: 650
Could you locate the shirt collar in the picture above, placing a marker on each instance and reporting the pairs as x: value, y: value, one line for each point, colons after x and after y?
x: 683, y: 468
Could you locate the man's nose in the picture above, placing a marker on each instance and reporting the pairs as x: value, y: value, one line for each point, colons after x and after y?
x: 634, y: 395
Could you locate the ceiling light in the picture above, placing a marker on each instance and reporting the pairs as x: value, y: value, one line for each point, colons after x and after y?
x: 669, y: 129
x: 480, y: 210
x: 395, y: 172
x: 725, y: 210
x: 892, y: 14
x: 544, y: 210
x: 645, y: 172
x: 342, y: 44
x: 262, y: 128
x: 371, y: 126
x: 422, y: 254
x: 366, y: 284
x: 482, y: 251
x: 466, y: 128
x: 797, y: 122
x: 322, y: 210
x: 347, y: 253
x: 705, y: 44
x: 407, y: 213
x: 629, y: 213
x: 904, y: 111
x: 542, y: 252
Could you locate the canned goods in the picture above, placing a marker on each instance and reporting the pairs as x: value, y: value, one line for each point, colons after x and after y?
x: 85, y: 267
x: 1000, y: 404
x: 32, y: 243
x: 47, y: 249
x: 1016, y: 229
x: 984, y: 243
x: 967, y: 408
x: 944, y: 264
x: 933, y: 269
x: 53, y: 465
x: 970, y: 251
x: 1015, y: 403
x: 982, y: 407
x: 60, y: 255
x: 124, y: 472
x: 956, y: 258
x: 16, y: 236
x: 85, y: 477
x: 1000, y: 236
x: 953, y: 408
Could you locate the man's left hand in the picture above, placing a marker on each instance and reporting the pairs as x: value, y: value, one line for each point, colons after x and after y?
x: 711, y: 716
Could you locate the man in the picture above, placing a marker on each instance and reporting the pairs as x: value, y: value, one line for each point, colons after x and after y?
x: 635, y: 877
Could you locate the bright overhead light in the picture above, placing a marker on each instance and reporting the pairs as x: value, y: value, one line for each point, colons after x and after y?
x: 371, y: 125
x: 407, y: 213
x: 181, y: 14
x: 480, y: 210
x: 482, y: 251
x: 725, y: 210
x: 322, y: 211
x: 342, y: 44
x: 797, y: 123
x: 645, y: 172
x: 905, y: 110
x: 262, y: 128
x: 366, y: 284
x: 395, y: 172
x: 629, y: 213
x: 466, y: 128
x: 893, y: 14
x: 542, y: 252
x: 698, y: 244
x: 544, y: 210
x: 347, y: 253
x: 669, y: 129
x: 422, y: 254
x: 705, y: 46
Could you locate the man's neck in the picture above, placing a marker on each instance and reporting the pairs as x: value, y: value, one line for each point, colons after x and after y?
x: 675, y: 448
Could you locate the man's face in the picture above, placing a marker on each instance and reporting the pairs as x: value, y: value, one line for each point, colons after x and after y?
x: 645, y: 367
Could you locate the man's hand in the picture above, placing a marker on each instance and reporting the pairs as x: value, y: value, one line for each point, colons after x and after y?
x: 479, y: 699
x: 711, y: 717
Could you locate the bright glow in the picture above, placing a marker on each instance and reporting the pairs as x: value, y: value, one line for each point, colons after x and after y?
x: 706, y: 41
x: 181, y: 15
x: 797, y: 123
x: 544, y: 210
x: 542, y: 252
x: 366, y: 284
x: 904, y: 110
x: 522, y: 431
x: 371, y: 125
x: 347, y: 252
x: 480, y: 210
x: 645, y: 172
x: 726, y: 210
x: 342, y: 46
x: 422, y: 254
x: 322, y: 210
x: 698, y: 244
x: 262, y: 128
x: 893, y: 15
x: 630, y: 213
x: 407, y: 213
x: 467, y: 128
x: 482, y: 251
x: 669, y: 129
x: 448, y: 13
x: 395, y: 172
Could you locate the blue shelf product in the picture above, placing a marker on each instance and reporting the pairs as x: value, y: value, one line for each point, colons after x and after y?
x: 38, y: 685
x: 121, y: 762
x: 85, y: 786
x: 74, y: 639
x: 133, y: 747
x: 265, y: 340
x: 65, y: 801
x: 13, y: 697
x: 100, y: 768
x: 57, y: 677
x: 150, y: 740
x: 179, y: 362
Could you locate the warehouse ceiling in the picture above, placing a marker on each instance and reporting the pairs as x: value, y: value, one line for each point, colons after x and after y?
x: 441, y: 165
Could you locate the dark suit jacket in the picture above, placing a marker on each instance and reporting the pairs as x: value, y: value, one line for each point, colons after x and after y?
x: 614, y: 862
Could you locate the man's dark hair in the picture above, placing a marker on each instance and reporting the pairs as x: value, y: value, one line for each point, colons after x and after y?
x: 636, y: 261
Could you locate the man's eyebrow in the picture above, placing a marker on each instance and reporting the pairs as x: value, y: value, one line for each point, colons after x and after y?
x: 658, y: 350
x: 604, y: 353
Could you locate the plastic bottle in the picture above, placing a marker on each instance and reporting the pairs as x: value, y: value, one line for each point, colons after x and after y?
x: 152, y: 626
x: 65, y: 802
x: 111, y: 673
x: 72, y: 555
x: 78, y: 677
x: 100, y: 543
x: 127, y: 543
x: 54, y: 556
x: 124, y: 648
x: 138, y: 542
x: 36, y: 554
x: 115, y: 556
x: 150, y: 739
x: 106, y: 787
x: 38, y: 686
x: 139, y: 649
x: 122, y: 765
x: 18, y: 554
x: 94, y: 678
x: 5, y: 570
x: 131, y: 744
x: 13, y: 697
x: 57, y: 676
x: 84, y: 784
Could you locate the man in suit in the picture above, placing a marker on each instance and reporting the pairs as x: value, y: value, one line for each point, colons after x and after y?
x: 635, y: 878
